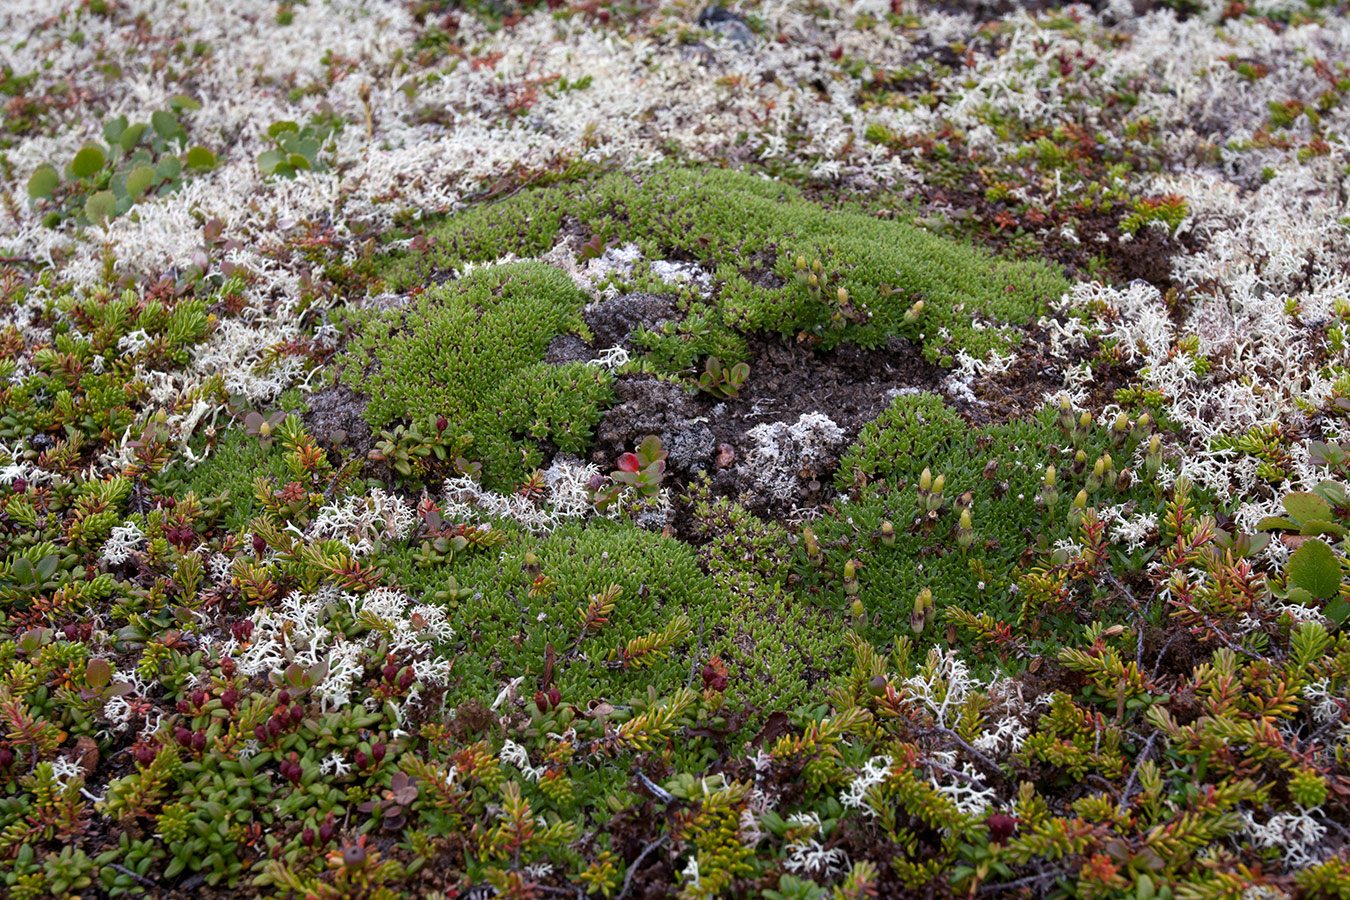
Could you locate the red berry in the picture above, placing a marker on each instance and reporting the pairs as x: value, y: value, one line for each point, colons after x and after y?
x: 183, y: 736
x: 259, y: 545
x: 362, y: 761
x: 199, y: 741
x: 326, y: 832
x: 307, y: 836
x: 406, y: 679
x: 441, y: 424
x: 199, y: 699
x: 146, y: 753
x: 6, y: 757
x: 284, y: 697
x: 554, y: 697
x: 377, y: 751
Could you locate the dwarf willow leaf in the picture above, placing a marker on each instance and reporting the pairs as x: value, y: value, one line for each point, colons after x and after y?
x: 43, y: 181
x: 88, y: 161
x: 1315, y: 568
x: 100, y: 206
x: 201, y: 159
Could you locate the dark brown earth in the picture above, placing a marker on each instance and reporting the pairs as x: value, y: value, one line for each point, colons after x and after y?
x: 851, y: 385
x: 339, y: 409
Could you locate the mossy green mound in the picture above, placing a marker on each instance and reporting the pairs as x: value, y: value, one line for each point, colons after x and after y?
x: 998, y: 474
x: 471, y: 350
x: 751, y: 233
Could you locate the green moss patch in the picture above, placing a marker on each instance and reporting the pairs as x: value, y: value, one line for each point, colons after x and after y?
x: 763, y: 241
x: 471, y: 350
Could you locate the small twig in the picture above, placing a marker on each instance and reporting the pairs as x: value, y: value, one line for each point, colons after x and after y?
x: 1323, y: 729
x: 1227, y: 642
x: 1029, y: 881
x: 1106, y: 784
x: 628, y: 876
x: 693, y: 663
x: 19, y: 261
x: 985, y: 762
x: 657, y: 791
x: 139, y: 879
x: 1143, y: 755
x: 959, y: 776
x: 1162, y: 653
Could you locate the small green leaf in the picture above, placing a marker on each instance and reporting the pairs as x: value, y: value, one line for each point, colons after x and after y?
x: 100, y: 206
x: 1319, y: 526
x: 200, y: 158
x: 1304, y: 506
x: 97, y: 673
x: 165, y: 124
x: 113, y: 128
x: 268, y: 160
x: 88, y: 161
x: 182, y: 102
x: 1274, y: 523
x: 1315, y: 568
x: 168, y: 167
x: 132, y: 136
x: 139, y: 181
x: 43, y: 181
x: 1337, y: 610
x: 277, y: 128
x: 1332, y: 492
x: 46, y: 566
x: 298, y: 161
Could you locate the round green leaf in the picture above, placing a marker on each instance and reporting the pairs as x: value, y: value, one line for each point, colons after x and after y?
x: 1305, y: 506
x: 139, y: 181
x: 131, y: 136
x: 1315, y: 568
x: 277, y: 128
x: 298, y: 161
x: 87, y: 161
x: 1318, y: 526
x: 113, y: 128
x: 201, y: 159
x: 100, y: 206
x: 43, y: 181
x: 182, y: 102
x: 168, y: 167
x: 268, y: 160
x: 97, y: 673
x: 165, y: 124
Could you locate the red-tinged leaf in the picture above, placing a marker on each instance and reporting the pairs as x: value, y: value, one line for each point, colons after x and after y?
x: 628, y: 462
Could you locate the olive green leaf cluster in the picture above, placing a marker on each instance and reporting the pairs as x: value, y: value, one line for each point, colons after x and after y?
x: 104, y: 180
